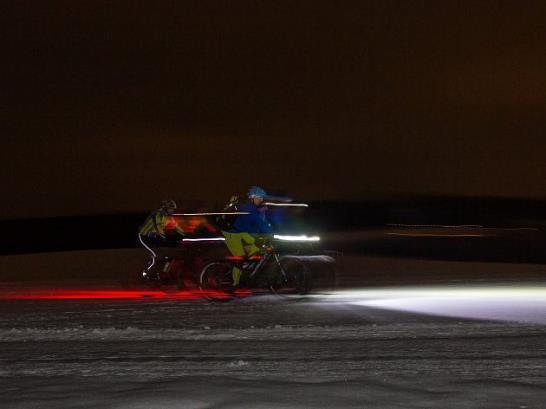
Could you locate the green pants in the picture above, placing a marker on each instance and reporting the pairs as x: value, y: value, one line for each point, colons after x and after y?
x: 240, y: 245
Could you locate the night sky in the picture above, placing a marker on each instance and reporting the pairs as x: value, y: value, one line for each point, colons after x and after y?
x: 112, y: 106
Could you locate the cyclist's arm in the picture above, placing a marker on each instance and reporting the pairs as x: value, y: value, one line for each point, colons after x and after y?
x: 172, y: 224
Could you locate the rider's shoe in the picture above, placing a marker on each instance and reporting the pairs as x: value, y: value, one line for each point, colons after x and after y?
x: 240, y: 291
x: 149, y: 276
x: 231, y: 288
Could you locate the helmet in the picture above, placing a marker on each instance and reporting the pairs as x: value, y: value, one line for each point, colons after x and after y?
x: 168, y: 204
x: 256, y: 191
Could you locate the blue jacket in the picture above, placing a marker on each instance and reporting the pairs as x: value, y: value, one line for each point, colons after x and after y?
x: 254, y: 223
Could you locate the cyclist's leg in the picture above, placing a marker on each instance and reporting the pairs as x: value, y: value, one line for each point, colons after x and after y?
x: 234, y: 244
x: 249, y: 244
x: 147, y: 244
x: 156, y: 249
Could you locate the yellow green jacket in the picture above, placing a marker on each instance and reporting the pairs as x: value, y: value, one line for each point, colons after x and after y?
x: 157, y: 222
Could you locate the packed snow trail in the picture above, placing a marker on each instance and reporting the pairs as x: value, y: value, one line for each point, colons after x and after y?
x: 347, y: 349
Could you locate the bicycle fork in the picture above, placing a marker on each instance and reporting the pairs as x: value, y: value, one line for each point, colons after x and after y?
x: 283, y: 273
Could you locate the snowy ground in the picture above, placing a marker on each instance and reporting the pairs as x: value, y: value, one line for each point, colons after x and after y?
x: 447, y: 345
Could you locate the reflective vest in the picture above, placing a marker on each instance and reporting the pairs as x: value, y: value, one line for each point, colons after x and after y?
x: 157, y: 222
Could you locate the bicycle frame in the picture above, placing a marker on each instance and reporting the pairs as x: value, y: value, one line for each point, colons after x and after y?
x: 263, y: 261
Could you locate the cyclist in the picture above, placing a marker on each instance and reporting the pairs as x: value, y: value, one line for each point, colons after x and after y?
x: 241, y: 238
x: 154, y: 234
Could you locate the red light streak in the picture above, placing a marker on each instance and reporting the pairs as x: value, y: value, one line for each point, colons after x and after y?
x: 242, y: 258
x: 114, y: 294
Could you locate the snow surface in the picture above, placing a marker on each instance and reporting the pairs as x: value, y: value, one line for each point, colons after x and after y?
x: 333, y: 350
x: 376, y: 344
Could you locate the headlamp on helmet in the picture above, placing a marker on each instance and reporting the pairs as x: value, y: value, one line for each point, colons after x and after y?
x: 168, y: 204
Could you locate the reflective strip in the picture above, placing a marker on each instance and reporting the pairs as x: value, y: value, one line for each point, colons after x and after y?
x: 296, y: 238
x: 150, y: 250
x: 209, y: 214
x: 207, y: 239
x: 286, y: 204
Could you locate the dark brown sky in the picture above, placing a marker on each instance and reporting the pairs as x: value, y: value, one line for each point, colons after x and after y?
x: 111, y: 106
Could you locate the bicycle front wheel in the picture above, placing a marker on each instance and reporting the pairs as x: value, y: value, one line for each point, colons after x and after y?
x: 297, y: 279
x: 214, y: 281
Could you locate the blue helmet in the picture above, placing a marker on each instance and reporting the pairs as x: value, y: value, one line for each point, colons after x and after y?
x: 256, y: 191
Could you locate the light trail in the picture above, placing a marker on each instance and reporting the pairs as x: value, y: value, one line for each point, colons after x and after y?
x: 434, y: 234
x: 210, y: 214
x: 509, y: 303
x: 296, y: 238
x: 111, y: 294
x: 439, y: 226
x: 461, y: 226
x: 286, y: 204
x: 207, y: 239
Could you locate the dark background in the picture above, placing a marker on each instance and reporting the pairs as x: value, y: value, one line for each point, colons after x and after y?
x: 375, y: 110
x: 429, y: 227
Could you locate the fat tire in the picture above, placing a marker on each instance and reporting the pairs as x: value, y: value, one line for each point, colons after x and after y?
x: 211, y: 288
x: 299, y: 277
